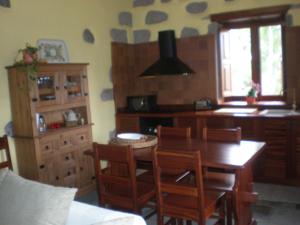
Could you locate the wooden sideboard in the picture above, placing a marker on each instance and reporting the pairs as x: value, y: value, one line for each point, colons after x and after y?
x: 56, y: 155
x: 280, y: 162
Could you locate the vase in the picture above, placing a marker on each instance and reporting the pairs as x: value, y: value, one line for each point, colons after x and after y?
x: 250, y: 100
x: 29, y: 57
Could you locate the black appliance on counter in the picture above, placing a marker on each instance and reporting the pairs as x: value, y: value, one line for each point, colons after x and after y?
x: 148, y: 124
x: 145, y: 103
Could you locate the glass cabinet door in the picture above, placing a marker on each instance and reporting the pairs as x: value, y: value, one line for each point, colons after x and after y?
x: 47, y: 89
x: 74, y: 85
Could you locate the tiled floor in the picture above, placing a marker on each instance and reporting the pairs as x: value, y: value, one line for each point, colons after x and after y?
x: 277, y: 205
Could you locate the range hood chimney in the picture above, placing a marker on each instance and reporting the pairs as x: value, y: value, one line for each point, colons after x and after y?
x: 168, y: 63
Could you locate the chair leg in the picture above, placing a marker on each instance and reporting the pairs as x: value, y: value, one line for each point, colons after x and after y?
x: 188, y: 222
x: 179, y: 221
x: 221, y: 220
x: 228, y: 209
x: 160, y: 219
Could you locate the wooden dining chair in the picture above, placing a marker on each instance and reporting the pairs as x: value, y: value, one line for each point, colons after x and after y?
x: 166, y: 132
x: 4, y: 147
x: 222, y: 134
x: 120, y: 189
x: 222, y: 180
x: 185, y: 199
x: 176, y: 132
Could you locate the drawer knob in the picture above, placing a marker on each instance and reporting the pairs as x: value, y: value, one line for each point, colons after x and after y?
x: 69, y: 173
x: 81, y: 168
x: 65, y: 142
x: 47, y: 147
x: 67, y: 158
x: 42, y: 166
x: 57, y: 177
x: 82, y: 137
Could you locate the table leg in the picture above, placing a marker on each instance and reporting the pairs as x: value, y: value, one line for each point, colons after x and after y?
x: 244, y: 196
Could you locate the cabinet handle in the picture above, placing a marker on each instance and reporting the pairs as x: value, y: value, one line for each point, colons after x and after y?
x: 57, y: 177
x: 82, y: 137
x: 93, y: 177
x: 42, y: 166
x: 81, y: 168
x: 34, y: 99
x: 65, y: 142
x: 69, y: 173
x: 46, y: 147
x: 67, y: 158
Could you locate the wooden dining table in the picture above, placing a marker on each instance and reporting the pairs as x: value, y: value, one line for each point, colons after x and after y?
x: 236, y: 157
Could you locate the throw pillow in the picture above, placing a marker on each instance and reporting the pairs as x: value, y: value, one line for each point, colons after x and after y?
x: 31, y: 203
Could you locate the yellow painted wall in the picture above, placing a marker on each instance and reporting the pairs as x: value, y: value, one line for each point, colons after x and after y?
x: 179, y: 17
x: 30, y: 20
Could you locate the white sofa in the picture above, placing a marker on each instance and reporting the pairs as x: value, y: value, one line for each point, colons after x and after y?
x: 25, y: 202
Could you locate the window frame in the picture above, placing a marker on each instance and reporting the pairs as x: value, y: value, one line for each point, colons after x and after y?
x: 253, y: 19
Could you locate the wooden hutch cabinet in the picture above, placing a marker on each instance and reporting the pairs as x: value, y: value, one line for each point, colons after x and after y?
x: 56, y: 155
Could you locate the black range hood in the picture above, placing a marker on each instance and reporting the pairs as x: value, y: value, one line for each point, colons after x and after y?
x: 168, y: 63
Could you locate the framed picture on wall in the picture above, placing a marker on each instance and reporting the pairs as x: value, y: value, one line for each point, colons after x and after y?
x: 52, y: 51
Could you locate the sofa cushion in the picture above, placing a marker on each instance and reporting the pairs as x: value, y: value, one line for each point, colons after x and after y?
x: 31, y: 203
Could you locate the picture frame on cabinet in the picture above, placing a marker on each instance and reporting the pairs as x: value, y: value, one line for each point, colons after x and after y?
x: 52, y: 51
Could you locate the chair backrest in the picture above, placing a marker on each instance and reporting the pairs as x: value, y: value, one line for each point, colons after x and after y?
x: 187, y: 189
x: 4, y: 147
x: 117, y: 182
x: 178, y: 132
x: 222, y: 134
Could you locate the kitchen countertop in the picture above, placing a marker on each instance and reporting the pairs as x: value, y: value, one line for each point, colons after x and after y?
x: 257, y: 113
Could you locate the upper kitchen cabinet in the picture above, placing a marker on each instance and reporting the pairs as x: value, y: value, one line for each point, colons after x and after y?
x: 58, y: 84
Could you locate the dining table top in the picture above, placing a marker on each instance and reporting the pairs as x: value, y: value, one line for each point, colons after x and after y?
x: 231, y: 155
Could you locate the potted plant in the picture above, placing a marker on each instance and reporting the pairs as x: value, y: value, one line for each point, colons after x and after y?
x: 29, y: 60
x: 252, y: 93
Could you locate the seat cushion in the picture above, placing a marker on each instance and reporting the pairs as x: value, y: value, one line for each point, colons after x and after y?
x: 31, y: 203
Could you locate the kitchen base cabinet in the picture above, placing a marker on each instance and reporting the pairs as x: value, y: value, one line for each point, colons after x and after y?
x: 276, y: 135
x: 295, y: 159
x: 53, y: 153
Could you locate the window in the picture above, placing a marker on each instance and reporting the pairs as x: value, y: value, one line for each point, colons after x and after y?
x: 237, y: 59
x: 251, y: 50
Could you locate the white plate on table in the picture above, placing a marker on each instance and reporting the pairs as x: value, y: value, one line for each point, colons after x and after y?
x: 131, y: 136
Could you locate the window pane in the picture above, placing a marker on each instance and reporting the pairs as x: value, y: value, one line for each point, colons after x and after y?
x: 271, y: 60
x: 236, y: 61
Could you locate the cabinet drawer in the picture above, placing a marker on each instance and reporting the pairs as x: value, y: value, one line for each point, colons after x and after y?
x: 81, y: 137
x: 69, y: 177
x: 65, y: 141
x: 47, y: 172
x: 68, y: 159
x: 48, y: 146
